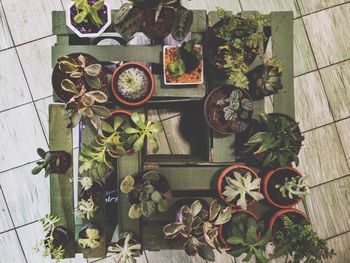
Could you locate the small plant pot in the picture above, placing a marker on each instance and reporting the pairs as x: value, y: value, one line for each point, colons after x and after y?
x: 119, y: 90
x: 228, y: 172
x: 60, y: 236
x: 96, y: 191
x: 214, y: 113
x: 83, y: 234
x: 194, y: 77
x: 58, y: 76
x: 162, y: 27
x: 89, y: 29
x: 61, y: 161
x: 224, y: 229
x: 272, y: 195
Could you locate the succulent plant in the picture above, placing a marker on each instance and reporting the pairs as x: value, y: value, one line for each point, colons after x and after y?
x: 126, y: 249
x: 133, y: 84
x: 147, y: 196
x: 86, y: 209
x: 82, y: 104
x: 77, y: 69
x: 87, y: 12
x: 279, y: 144
x: 237, y: 109
x: 44, y: 163
x: 245, y: 238
x: 86, y: 182
x: 267, y: 80
x: 294, y: 187
x: 92, y: 239
x: 182, y: 23
x: 242, y: 186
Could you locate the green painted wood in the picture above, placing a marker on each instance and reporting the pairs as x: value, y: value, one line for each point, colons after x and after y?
x: 61, y: 185
x: 59, y: 22
x: 62, y: 40
x: 282, y: 48
x: 172, y: 159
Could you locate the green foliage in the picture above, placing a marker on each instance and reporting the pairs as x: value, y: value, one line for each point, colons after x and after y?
x: 267, y: 80
x: 299, y: 242
x: 294, y: 187
x: 126, y: 248
x: 92, y: 239
x: 86, y: 209
x: 87, y: 12
x: 44, y: 163
x: 182, y: 23
x: 279, y: 144
x: 242, y: 186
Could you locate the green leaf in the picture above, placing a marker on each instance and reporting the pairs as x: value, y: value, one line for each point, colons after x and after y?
x: 264, y: 240
x: 156, y: 127
x: 156, y: 197
x: 173, y: 229
x: 93, y: 82
x: 118, y: 121
x: 130, y: 130
x: 69, y: 86
x: 148, y: 208
x: 224, y: 216
x: 101, y: 111
x: 214, y: 210
x: 206, y: 252
x: 138, y: 145
x: 153, y: 142
x: 98, y: 5
x: 94, y: 15
x: 252, y: 228
x: 149, y: 189
x: 235, y: 240
x: 41, y: 153
x: 237, y: 252
x: 196, y: 207
x: 98, y: 96
x: 37, y: 169
x: 261, y: 258
x: 80, y: 17
x: 135, y: 212
x: 162, y: 206
x: 151, y: 175
x: 248, y: 256
x: 105, y: 126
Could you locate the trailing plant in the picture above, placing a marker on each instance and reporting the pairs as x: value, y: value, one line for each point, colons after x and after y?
x: 78, y: 69
x: 241, y: 187
x: 87, y: 12
x: 127, y: 248
x: 86, y: 209
x: 279, y: 144
x: 82, y: 104
x: 237, y: 109
x: 92, y: 239
x: 245, y: 238
x: 149, y: 195
x: 45, y: 162
x: 298, y: 242
x: 199, y: 228
x: 294, y: 187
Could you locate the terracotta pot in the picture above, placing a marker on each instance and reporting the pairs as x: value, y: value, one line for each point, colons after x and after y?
x: 151, y: 83
x: 267, y: 187
x: 221, y: 181
x: 60, y: 236
x: 63, y: 164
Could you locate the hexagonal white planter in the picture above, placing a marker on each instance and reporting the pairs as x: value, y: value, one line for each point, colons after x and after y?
x: 90, y: 35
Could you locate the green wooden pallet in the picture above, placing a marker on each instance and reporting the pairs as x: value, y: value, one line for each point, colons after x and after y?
x: 190, y: 176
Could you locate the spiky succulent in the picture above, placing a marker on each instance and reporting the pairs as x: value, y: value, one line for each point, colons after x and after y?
x: 241, y: 187
x: 279, y: 144
x: 294, y: 187
x: 92, y: 239
x: 133, y: 84
x: 267, y: 80
x: 237, y: 110
x: 44, y: 163
x: 87, y: 12
x: 126, y: 248
x: 86, y: 209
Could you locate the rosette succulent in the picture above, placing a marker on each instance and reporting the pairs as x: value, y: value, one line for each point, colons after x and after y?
x: 86, y: 209
x: 127, y: 248
x: 133, y: 84
x: 266, y: 80
x: 89, y: 237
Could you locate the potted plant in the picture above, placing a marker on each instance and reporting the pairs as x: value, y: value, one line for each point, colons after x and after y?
x: 88, y: 18
x: 90, y: 236
x: 152, y: 18
x: 228, y: 109
x: 55, y: 240
x: 133, y: 84
x: 127, y: 248
x: 284, y: 187
x: 183, y: 65
x: 295, y: 240
x: 52, y: 162
x: 239, y: 186
x: 198, y: 226
x: 75, y: 71
x: 90, y: 188
x: 86, y: 208
x: 147, y: 194
x: 280, y: 142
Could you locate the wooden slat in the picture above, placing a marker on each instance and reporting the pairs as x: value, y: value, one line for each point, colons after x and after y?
x: 61, y: 185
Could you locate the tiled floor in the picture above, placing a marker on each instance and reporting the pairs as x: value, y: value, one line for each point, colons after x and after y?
x: 322, y: 91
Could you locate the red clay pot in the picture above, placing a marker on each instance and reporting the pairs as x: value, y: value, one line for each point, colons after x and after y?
x: 224, y: 174
x: 266, y: 193
x: 115, y: 89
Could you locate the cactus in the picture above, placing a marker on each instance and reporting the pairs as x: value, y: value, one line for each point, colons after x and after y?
x: 133, y: 84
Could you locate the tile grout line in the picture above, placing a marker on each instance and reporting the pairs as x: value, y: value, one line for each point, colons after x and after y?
x: 326, y: 8
x: 19, y: 241
x: 18, y: 166
x: 324, y: 125
x: 240, y: 4
x: 25, y: 43
x: 166, y: 137
x: 337, y: 235
x: 24, y: 104
x: 330, y: 181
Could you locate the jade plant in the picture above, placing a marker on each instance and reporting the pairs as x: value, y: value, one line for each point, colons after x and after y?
x: 279, y: 144
x: 127, y: 248
x: 241, y: 187
x: 199, y: 228
x: 86, y: 209
x: 87, y: 12
x: 90, y: 238
x: 246, y: 239
x: 298, y: 242
x: 148, y: 195
x: 294, y: 187
x: 44, y: 163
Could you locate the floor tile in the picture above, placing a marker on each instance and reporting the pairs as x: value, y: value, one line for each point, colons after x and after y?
x: 329, y: 34
x: 336, y: 81
x: 36, y: 60
x: 171, y: 256
x: 343, y: 130
x: 327, y: 207
x: 309, y: 6
x: 231, y: 5
x: 30, y: 20
x: 5, y: 219
x: 267, y: 6
x: 5, y: 40
x: 322, y: 157
x: 304, y: 60
x: 311, y: 105
x: 27, y: 195
x: 341, y: 245
x: 14, y: 90
x: 170, y: 112
x: 10, y: 248
x: 21, y: 135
